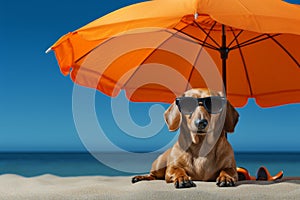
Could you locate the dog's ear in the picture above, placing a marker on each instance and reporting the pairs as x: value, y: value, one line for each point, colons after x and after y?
x: 232, y: 117
x: 173, y: 117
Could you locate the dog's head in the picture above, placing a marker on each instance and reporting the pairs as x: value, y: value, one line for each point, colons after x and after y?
x: 203, y: 111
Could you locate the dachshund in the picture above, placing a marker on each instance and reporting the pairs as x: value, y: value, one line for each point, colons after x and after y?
x: 202, y: 151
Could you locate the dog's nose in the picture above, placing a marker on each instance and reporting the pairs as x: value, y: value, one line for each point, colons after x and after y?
x: 201, y: 123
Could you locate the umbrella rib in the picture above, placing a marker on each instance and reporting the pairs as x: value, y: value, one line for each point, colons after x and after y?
x: 285, y: 50
x: 150, y: 54
x: 191, y: 73
x: 248, y: 41
x: 243, y: 60
x: 235, y: 37
x: 214, y: 41
x: 107, y: 40
x: 198, y: 55
x: 94, y: 49
x: 254, y: 40
x: 203, y: 43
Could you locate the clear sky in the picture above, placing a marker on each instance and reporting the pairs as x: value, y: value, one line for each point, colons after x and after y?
x: 36, y: 99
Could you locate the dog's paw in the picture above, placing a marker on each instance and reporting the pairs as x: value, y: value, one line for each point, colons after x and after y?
x: 225, y: 181
x: 142, y: 178
x: 136, y: 179
x: 184, y: 182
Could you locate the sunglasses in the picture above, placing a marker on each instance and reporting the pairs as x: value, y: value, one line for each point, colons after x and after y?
x: 213, y: 105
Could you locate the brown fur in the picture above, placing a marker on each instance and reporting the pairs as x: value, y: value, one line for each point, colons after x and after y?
x: 201, y: 157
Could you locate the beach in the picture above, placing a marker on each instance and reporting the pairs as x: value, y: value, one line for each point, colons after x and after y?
x: 48, y: 186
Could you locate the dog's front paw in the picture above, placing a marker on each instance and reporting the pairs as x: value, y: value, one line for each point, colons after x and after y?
x: 225, y: 181
x: 184, y: 182
x: 136, y: 179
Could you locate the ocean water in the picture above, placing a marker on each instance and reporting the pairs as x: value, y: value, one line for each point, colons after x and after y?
x: 84, y: 164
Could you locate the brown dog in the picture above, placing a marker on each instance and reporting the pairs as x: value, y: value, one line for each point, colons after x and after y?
x: 202, y: 151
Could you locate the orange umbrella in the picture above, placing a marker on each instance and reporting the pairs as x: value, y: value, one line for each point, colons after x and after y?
x: 253, y: 44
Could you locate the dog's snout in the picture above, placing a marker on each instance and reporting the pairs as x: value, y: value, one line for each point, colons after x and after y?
x: 201, y: 123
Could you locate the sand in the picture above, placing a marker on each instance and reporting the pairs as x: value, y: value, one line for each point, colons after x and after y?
x: 99, y: 187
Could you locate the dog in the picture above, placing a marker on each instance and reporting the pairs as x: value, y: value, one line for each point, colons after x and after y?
x: 202, y: 152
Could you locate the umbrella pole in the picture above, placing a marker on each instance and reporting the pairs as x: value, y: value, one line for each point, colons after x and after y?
x: 224, y: 55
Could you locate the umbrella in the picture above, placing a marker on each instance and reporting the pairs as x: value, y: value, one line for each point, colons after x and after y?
x: 253, y: 44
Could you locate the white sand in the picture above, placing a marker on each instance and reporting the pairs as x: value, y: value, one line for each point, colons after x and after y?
x: 98, y: 187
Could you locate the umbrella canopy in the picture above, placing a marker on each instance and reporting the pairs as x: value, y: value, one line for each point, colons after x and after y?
x: 253, y: 44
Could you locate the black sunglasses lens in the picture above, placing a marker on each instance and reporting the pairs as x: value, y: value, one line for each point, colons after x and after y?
x: 188, y: 105
x: 214, y: 104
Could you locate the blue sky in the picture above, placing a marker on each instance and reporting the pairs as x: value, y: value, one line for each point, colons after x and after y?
x: 36, y: 99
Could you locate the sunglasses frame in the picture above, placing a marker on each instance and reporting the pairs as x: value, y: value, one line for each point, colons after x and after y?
x: 202, y: 100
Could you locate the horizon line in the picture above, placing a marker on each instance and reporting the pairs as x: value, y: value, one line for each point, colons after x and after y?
x: 87, y: 152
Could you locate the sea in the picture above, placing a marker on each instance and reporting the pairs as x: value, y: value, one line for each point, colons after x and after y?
x: 85, y: 164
